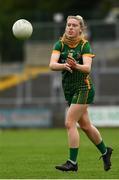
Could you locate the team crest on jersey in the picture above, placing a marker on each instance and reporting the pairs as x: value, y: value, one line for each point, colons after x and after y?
x: 71, y: 52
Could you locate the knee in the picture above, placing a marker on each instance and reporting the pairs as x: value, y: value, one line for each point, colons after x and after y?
x: 68, y: 124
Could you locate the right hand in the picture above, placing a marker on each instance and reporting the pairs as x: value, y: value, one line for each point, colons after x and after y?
x: 67, y: 67
x: 71, y: 61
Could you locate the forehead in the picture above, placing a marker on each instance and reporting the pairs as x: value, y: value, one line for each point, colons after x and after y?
x: 73, y: 21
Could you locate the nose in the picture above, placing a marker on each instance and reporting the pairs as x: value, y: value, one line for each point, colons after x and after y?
x: 71, y: 27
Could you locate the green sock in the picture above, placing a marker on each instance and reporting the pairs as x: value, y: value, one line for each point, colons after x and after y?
x: 102, y: 148
x: 73, y: 154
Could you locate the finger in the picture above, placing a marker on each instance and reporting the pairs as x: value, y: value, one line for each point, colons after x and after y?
x: 70, y: 60
x: 69, y: 57
x: 69, y: 69
x: 68, y: 65
x: 72, y: 63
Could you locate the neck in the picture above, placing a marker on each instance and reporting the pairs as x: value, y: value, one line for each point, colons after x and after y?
x: 71, y: 41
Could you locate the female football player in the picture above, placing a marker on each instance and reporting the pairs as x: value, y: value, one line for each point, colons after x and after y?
x: 73, y: 56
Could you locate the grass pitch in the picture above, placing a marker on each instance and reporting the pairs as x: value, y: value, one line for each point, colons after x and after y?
x: 33, y: 154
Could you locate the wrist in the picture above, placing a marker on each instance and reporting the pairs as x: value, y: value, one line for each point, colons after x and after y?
x: 77, y: 66
x: 63, y: 66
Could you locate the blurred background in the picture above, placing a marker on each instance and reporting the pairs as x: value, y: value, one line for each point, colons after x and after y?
x: 30, y: 94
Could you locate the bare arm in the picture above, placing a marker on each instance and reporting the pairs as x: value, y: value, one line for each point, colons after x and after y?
x: 55, y: 65
x: 85, y: 67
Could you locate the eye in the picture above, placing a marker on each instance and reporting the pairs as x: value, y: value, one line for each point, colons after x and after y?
x: 74, y: 25
x: 68, y: 24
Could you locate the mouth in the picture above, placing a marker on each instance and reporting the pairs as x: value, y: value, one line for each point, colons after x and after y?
x: 70, y: 32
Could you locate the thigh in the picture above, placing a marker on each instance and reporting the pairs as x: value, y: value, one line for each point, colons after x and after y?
x: 75, y: 112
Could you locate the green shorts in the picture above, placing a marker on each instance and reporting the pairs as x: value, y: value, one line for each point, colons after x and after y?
x: 81, y: 96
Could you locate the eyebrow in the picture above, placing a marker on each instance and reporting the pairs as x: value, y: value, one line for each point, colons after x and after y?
x: 72, y: 23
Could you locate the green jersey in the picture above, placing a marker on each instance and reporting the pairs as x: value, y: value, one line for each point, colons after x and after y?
x: 76, y: 80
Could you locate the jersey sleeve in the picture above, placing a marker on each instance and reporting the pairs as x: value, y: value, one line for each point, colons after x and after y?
x: 57, y: 46
x: 87, y: 50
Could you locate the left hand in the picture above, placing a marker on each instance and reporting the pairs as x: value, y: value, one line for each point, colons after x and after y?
x: 71, y: 61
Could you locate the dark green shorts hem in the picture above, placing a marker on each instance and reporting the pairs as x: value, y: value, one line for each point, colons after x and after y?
x: 81, y: 96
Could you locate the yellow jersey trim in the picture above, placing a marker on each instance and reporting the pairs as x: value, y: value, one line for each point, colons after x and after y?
x: 56, y: 52
x: 90, y: 55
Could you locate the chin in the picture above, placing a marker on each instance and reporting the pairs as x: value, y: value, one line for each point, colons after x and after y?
x: 71, y: 36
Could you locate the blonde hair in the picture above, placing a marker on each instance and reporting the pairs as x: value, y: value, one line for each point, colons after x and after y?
x: 82, y: 24
x: 73, y: 42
